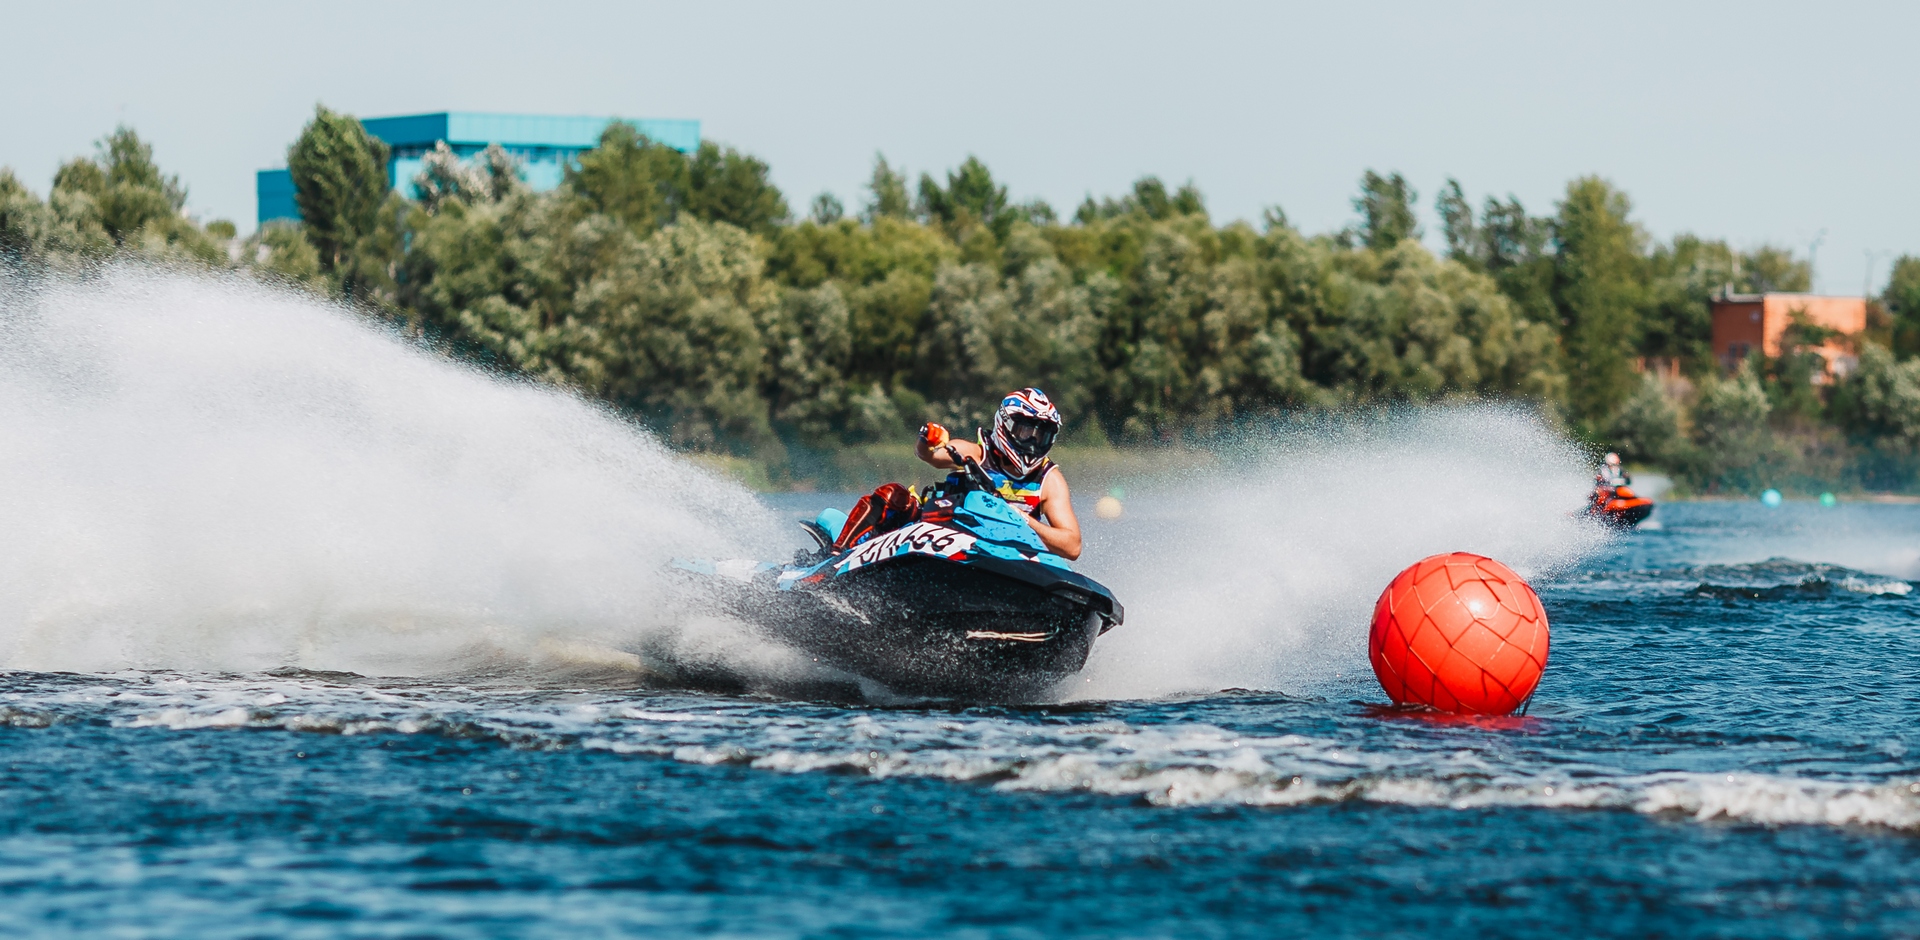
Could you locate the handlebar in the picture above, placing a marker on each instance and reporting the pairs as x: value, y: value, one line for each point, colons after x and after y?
x: 976, y: 476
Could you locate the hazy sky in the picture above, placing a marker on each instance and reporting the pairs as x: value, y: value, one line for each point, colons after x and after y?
x: 1757, y: 122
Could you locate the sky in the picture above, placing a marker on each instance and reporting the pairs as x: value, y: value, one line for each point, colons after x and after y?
x: 1757, y: 122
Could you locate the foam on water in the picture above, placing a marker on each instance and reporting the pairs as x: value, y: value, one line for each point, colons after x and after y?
x: 1773, y: 579
x: 1183, y: 763
x: 210, y: 474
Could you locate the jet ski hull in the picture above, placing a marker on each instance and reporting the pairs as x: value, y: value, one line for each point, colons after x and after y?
x: 925, y: 626
x: 965, y: 602
x: 1619, y: 506
x: 1625, y: 513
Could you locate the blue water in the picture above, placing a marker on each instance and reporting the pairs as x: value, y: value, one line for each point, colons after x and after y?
x: 1727, y: 743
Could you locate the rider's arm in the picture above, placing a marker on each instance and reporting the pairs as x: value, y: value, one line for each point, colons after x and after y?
x: 933, y: 443
x: 1061, y: 532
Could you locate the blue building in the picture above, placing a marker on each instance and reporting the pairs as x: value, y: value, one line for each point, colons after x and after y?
x: 545, y: 146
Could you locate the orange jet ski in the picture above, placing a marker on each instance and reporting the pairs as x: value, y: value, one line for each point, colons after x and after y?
x: 1619, y: 506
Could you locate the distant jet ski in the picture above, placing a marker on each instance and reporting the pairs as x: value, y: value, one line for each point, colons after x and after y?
x: 964, y: 602
x: 1619, y: 506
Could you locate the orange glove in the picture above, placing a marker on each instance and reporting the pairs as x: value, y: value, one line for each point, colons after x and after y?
x: 933, y: 435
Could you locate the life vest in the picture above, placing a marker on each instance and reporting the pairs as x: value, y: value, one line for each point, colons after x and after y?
x: 1022, y: 492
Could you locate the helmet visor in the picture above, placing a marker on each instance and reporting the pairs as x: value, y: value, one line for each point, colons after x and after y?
x: 1031, y: 437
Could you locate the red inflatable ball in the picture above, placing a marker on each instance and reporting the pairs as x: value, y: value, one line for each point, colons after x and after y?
x: 1459, y: 633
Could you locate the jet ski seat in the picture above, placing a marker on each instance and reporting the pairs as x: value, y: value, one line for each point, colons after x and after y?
x: 883, y: 510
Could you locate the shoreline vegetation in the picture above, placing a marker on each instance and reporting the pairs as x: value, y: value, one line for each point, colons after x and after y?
x: 799, y: 350
x: 857, y: 468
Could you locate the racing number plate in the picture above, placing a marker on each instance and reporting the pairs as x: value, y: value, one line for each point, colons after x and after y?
x: 920, y: 538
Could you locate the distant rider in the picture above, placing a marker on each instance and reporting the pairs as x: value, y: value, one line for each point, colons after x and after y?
x: 1610, y: 475
x: 1014, y: 455
x: 1608, y: 481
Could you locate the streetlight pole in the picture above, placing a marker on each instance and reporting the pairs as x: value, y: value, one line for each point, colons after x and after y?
x: 1866, y: 284
x: 1813, y: 258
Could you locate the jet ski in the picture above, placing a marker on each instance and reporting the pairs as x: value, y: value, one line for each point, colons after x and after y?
x: 962, y: 602
x: 1619, y: 506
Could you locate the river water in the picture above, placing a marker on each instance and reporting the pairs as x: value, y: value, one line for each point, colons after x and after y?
x: 309, y: 633
x: 1725, y: 744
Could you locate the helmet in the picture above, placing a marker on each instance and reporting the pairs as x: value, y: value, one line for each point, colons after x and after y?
x: 1023, y: 430
x: 1613, y: 459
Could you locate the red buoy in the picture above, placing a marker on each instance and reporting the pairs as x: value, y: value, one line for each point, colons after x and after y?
x: 1460, y: 633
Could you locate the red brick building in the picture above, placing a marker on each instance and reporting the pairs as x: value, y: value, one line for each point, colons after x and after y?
x: 1746, y: 323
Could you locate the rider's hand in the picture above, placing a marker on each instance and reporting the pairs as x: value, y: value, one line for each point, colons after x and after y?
x: 933, y: 435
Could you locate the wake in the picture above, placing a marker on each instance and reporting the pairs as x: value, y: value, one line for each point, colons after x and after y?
x: 205, y: 474
x: 1263, y: 575
x: 210, y: 474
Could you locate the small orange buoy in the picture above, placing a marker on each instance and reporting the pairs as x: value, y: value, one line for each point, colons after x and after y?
x: 1460, y: 633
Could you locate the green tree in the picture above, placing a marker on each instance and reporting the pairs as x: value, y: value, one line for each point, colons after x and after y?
x: 630, y: 178
x: 1902, y: 299
x: 1878, y: 404
x: 1730, y: 431
x: 282, y: 252
x: 59, y: 233
x: 1149, y: 198
x: 444, y: 175
x: 1647, y: 426
x: 1386, y: 211
x: 672, y: 329
x: 1516, y: 249
x: 971, y: 196
x: 121, y: 200
x: 827, y: 209
x: 1768, y: 268
x: 340, y: 185
x: 130, y: 191
x: 677, y: 287
x: 969, y: 316
x: 809, y: 344
x: 887, y: 317
x: 1599, y: 282
x: 22, y: 217
x: 888, y: 189
x: 1055, y: 339
x: 725, y: 185
x: 1676, y: 322
x: 1884, y: 399
x: 1792, y: 378
x: 1413, y: 327
x: 1456, y: 223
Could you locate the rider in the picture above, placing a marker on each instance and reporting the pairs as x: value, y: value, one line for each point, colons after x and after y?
x: 1608, y: 481
x: 1610, y: 475
x: 1014, y: 455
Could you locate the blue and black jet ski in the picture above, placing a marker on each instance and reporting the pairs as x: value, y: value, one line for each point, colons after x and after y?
x: 964, y: 602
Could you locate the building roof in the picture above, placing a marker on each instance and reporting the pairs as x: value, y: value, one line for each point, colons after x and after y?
x: 1732, y: 298
x: 472, y: 128
x: 544, y: 144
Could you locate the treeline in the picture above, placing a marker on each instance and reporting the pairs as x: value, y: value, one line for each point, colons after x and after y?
x: 681, y: 287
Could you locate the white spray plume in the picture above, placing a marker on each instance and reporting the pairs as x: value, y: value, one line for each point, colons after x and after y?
x: 209, y: 474
x: 1263, y: 574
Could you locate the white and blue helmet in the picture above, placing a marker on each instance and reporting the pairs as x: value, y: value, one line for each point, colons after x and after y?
x: 1023, y: 430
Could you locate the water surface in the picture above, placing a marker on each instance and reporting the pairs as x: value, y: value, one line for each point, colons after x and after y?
x: 1724, y: 745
